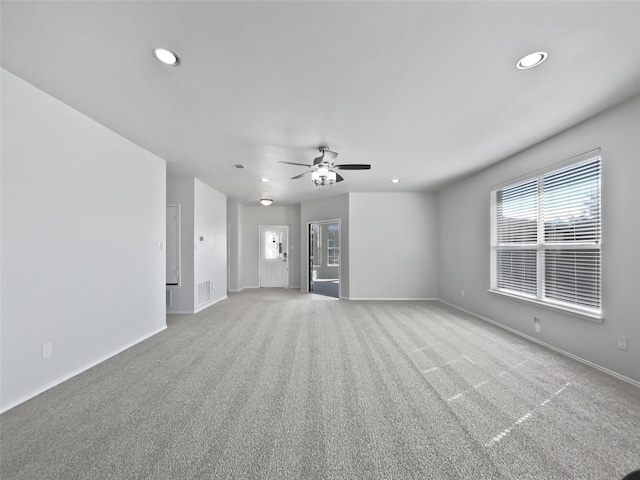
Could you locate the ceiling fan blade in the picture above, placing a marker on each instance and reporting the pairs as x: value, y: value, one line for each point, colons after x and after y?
x: 330, y: 156
x: 338, y: 177
x: 353, y: 166
x: 299, y: 164
x: 317, y: 160
x: 301, y: 175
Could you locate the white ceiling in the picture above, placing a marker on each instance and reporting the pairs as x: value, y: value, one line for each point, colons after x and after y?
x: 424, y: 91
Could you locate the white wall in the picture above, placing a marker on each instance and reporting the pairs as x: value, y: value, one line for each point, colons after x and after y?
x: 83, y: 211
x: 393, y: 245
x: 244, y: 222
x: 210, y: 254
x: 464, y: 231
x: 331, y: 208
x: 181, y: 191
x: 203, y: 214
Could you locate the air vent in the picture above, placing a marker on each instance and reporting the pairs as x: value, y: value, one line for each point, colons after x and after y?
x: 204, y: 292
x: 239, y: 165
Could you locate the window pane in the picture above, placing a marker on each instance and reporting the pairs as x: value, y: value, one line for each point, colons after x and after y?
x: 572, y: 204
x: 517, y: 271
x: 517, y: 213
x: 573, y: 276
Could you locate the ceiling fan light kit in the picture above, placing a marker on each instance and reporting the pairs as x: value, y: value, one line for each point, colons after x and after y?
x: 323, y: 170
x: 323, y: 176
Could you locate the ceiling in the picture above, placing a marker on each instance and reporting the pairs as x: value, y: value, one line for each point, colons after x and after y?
x: 426, y: 92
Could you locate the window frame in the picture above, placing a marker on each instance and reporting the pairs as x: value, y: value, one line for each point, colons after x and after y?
x: 541, y: 245
x: 333, y: 248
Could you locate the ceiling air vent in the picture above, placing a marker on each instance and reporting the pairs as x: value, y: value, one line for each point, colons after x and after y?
x: 239, y: 165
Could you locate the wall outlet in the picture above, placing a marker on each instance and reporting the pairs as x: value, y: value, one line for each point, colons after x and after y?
x: 462, y: 293
x: 47, y: 349
x: 622, y: 343
x: 536, y: 324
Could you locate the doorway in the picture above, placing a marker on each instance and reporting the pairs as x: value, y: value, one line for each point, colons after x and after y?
x: 273, y: 265
x: 324, y: 258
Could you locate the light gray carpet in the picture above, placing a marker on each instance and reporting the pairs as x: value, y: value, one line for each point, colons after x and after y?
x: 271, y: 384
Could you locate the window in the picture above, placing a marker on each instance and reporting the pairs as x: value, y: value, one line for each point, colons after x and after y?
x: 333, y: 245
x: 546, y: 237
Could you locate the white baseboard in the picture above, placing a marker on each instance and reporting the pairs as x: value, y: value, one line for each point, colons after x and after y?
x: 241, y: 289
x: 402, y: 299
x: 207, y: 305
x: 78, y: 371
x: 619, y: 376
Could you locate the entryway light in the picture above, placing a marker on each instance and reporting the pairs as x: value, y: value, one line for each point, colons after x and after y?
x: 266, y: 201
x: 395, y: 180
x: 167, y: 57
x: 531, y: 60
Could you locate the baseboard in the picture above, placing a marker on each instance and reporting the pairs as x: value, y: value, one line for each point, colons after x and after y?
x: 78, y: 371
x: 401, y: 299
x: 207, y: 305
x: 241, y: 289
x: 619, y: 376
x: 294, y: 287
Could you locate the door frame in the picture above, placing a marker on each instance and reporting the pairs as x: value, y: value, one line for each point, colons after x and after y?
x: 260, y: 227
x: 308, y: 252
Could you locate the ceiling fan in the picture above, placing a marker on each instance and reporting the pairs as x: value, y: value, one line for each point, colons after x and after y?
x: 323, y: 170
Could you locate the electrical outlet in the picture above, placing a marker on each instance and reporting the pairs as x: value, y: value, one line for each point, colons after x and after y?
x: 536, y: 324
x: 462, y: 293
x: 622, y: 343
x: 47, y: 349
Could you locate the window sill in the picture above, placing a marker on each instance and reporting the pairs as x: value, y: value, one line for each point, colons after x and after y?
x: 592, y: 317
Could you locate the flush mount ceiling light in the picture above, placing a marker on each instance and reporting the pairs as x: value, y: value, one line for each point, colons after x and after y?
x: 531, y: 60
x: 167, y: 57
x: 265, y: 180
x: 266, y: 201
x: 395, y: 180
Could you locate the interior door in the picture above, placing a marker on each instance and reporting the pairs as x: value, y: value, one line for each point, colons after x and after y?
x: 274, y: 249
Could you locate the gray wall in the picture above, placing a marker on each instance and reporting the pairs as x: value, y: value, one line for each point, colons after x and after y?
x: 83, y: 220
x: 394, y: 245
x: 464, y: 230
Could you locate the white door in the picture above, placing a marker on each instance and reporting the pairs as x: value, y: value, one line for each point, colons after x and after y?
x: 274, y: 267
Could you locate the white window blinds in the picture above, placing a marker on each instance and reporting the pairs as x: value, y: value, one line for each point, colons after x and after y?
x: 546, y: 237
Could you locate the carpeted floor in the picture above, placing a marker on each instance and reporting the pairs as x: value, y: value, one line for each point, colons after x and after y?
x: 271, y: 384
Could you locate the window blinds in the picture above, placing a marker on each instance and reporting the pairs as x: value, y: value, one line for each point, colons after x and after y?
x: 547, y: 235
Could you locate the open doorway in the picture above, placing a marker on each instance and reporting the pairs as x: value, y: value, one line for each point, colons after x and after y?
x: 324, y: 258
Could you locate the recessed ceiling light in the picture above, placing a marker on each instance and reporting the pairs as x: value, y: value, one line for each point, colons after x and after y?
x: 395, y: 180
x: 266, y: 201
x: 531, y: 60
x: 265, y: 180
x: 167, y: 57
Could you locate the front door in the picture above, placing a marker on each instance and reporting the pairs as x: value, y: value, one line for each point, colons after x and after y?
x: 274, y: 268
